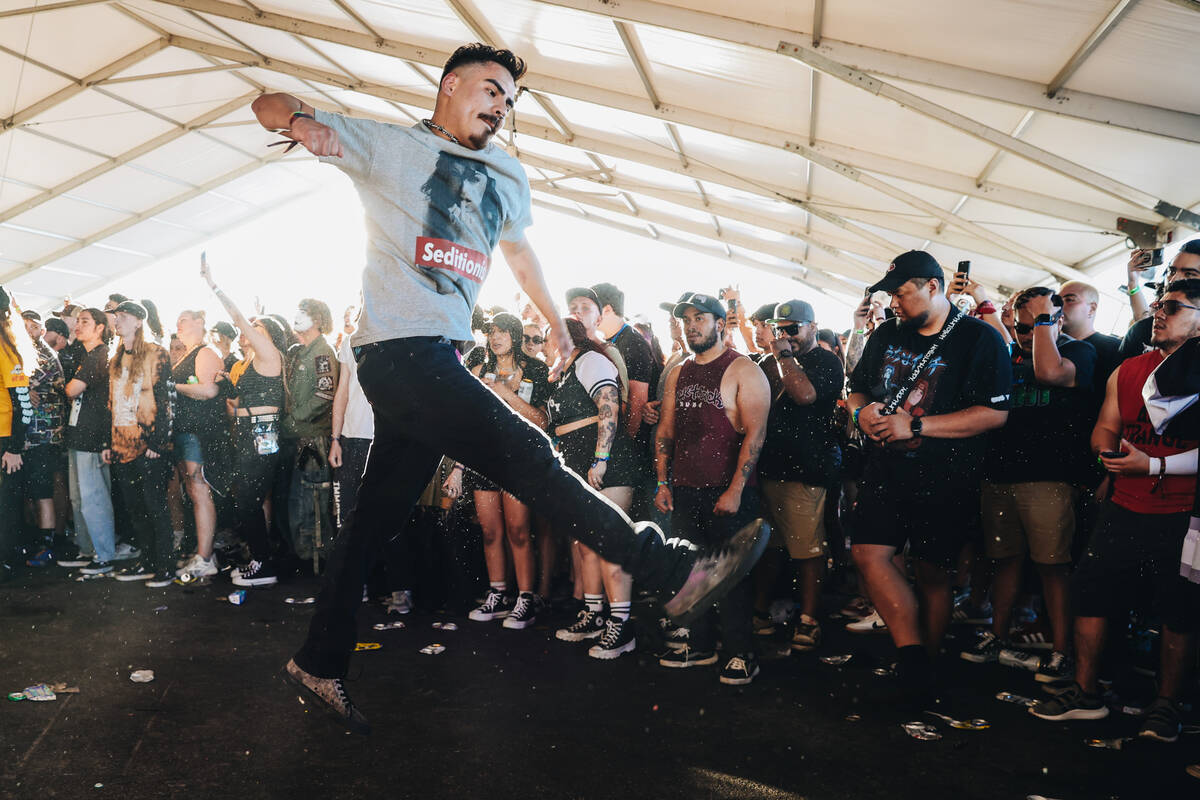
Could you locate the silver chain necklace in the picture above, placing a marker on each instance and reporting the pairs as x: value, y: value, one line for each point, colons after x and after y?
x: 433, y: 126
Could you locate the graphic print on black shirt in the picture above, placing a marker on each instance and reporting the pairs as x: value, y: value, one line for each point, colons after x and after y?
x: 460, y: 192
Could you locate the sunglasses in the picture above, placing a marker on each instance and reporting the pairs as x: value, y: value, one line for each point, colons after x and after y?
x: 787, y: 330
x: 534, y: 339
x: 1171, y: 307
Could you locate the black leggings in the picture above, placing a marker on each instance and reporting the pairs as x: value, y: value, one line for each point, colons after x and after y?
x: 143, y: 486
x: 253, y: 478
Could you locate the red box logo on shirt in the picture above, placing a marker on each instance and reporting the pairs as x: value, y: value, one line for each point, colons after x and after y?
x: 442, y: 254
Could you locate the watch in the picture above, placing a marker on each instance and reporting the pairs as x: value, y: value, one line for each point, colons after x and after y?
x: 916, y: 426
x: 1047, y: 319
x: 787, y: 354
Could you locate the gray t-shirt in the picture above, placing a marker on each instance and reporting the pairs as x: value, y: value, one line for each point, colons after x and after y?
x: 435, y: 211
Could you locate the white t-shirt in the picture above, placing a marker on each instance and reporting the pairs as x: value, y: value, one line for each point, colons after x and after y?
x: 360, y: 419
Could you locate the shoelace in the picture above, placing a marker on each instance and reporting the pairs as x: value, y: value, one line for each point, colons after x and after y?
x: 612, y: 632
x: 340, y: 691
x: 1161, y: 712
x: 524, y: 606
x: 583, y: 621
x: 737, y: 663
x: 986, y: 641
x: 1056, y: 662
x: 493, y: 599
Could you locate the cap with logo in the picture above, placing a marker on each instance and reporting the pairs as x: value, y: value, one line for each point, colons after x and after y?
x: 583, y: 291
x: 705, y: 303
x: 793, y: 311
x: 905, y: 267
x: 69, y: 310
x: 669, y: 307
x: 130, y: 307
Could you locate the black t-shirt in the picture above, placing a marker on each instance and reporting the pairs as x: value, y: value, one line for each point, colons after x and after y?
x: 971, y: 368
x: 1137, y: 339
x: 800, y: 444
x: 1108, y: 356
x: 70, y: 357
x: 1049, y: 427
x: 639, y: 366
x: 229, y: 361
x: 89, y: 423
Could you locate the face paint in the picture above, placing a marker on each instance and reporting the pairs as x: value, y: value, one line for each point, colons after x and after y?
x: 301, y: 322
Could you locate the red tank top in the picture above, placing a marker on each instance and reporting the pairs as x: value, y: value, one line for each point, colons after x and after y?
x: 706, y: 444
x: 1136, y: 492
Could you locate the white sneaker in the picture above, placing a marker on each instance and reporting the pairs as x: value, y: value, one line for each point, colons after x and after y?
x: 126, y: 551
x: 869, y: 624
x: 198, y: 567
x: 401, y: 602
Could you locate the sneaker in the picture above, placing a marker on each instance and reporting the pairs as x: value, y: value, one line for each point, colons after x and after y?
x: 497, y: 605
x: 588, y: 625
x: 985, y: 651
x: 872, y: 623
x: 1031, y: 639
x: 328, y: 694
x: 1160, y: 721
x: 964, y: 614
x: 524, y: 613
x: 161, y: 578
x: 134, y: 572
x: 714, y: 572
x: 763, y: 625
x: 76, y: 559
x: 807, y: 634
x: 617, y: 639
x: 43, y: 558
x: 676, y: 638
x: 740, y: 670
x: 401, y: 602
x: 1019, y: 659
x: 1071, y: 704
x: 256, y: 573
x: 125, y: 551
x: 197, y: 567
x: 686, y: 657
x: 97, y: 568
x: 1055, y: 667
x: 856, y: 609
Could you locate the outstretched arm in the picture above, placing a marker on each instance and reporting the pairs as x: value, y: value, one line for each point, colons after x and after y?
x: 274, y: 112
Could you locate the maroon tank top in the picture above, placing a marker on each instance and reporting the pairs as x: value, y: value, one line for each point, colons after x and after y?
x: 706, y: 444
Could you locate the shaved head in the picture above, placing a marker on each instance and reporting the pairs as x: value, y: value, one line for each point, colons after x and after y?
x: 1085, y: 291
x: 1080, y: 301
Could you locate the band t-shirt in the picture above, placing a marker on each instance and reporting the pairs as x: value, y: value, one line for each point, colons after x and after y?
x: 89, y: 424
x: 800, y: 444
x: 1048, y: 429
x: 435, y: 211
x: 970, y: 368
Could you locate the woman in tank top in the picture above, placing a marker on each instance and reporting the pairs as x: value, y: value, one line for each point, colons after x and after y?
x: 584, y: 412
x: 259, y: 404
x: 523, y: 383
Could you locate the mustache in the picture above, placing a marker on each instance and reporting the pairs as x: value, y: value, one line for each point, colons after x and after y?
x: 494, y: 122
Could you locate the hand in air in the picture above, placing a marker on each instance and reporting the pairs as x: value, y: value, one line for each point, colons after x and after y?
x: 318, y: 139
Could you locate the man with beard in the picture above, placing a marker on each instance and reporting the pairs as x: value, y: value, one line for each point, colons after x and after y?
x: 925, y: 452
x: 710, y: 435
x: 423, y: 274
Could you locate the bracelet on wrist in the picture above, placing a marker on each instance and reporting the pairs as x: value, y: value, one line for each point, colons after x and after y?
x: 855, y: 416
x: 663, y: 483
x: 599, y: 457
x: 861, y: 331
x: 299, y: 115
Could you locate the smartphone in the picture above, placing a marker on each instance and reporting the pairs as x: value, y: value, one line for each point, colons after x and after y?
x: 964, y: 267
x: 204, y: 258
x: 1113, y: 453
x: 1152, y: 258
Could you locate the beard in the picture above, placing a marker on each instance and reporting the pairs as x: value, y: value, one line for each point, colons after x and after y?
x: 914, y: 323
x: 706, y: 344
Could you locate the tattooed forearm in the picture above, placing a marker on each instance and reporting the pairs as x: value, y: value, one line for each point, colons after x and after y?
x: 854, y: 349
x: 751, y: 461
x: 608, y: 407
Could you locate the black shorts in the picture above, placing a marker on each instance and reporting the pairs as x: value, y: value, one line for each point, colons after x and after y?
x: 1131, y: 555
x: 38, y: 465
x: 578, y: 449
x: 935, y: 525
x: 474, y: 482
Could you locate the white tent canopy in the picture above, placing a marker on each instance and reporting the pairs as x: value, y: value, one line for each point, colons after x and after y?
x: 808, y: 138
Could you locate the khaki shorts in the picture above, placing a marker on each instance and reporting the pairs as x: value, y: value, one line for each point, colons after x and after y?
x: 1038, y: 516
x: 796, y: 512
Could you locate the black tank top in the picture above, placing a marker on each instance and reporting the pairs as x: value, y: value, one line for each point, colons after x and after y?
x: 201, y: 417
x: 256, y: 390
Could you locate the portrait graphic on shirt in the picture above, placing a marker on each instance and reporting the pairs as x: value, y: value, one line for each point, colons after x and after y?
x: 898, y: 364
x: 464, y: 205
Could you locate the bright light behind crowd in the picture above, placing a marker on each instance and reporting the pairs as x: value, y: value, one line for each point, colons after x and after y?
x: 314, y: 247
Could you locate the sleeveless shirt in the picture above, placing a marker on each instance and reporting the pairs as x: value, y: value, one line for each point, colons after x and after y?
x: 204, y: 418
x: 706, y: 443
x: 256, y: 390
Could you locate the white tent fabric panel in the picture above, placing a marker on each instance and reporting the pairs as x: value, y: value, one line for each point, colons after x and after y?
x: 66, y: 216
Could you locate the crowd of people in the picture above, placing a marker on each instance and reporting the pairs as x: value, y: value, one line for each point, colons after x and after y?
x: 945, y: 459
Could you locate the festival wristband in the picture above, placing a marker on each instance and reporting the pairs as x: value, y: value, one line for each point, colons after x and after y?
x: 457, y: 468
x: 855, y: 415
x: 598, y: 459
x: 661, y: 484
x: 295, y: 114
x: 861, y: 331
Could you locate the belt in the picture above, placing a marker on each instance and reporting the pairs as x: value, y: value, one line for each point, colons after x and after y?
x: 254, y: 419
x: 563, y: 430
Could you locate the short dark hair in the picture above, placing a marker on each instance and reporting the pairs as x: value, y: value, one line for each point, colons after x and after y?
x: 1191, y: 246
x: 480, y: 53
x: 919, y: 282
x: 1190, y: 288
x: 1030, y: 293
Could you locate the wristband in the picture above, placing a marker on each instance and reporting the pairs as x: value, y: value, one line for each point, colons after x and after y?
x: 599, y: 457
x: 861, y: 331
x: 664, y: 483
x: 457, y: 468
x: 787, y: 354
x: 295, y: 114
x: 855, y: 415
x: 1136, y: 288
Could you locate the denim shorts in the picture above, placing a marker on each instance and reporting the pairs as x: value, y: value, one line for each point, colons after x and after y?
x: 187, y: 448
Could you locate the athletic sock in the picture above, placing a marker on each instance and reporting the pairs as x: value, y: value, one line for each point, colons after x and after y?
x: 620, y: 610
x: 500, y: 586
x: 595, y: 602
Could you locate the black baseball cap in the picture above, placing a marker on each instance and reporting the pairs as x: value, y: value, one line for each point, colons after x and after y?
x: 583, y: 291
x: 793, y: 311
x: 610, y: 295
x: 701, y: 302
x: 905, y: 267
x: 31, y: 314
x: 56, y: 325
x: 225, y: 329
x: 764, y: 313
x: 130, y: 307
x: 69, y: 310
x: 670, y: 307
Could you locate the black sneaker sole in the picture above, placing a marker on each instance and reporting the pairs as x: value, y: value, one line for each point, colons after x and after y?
x: 695, y: 598
x: 308, y: 696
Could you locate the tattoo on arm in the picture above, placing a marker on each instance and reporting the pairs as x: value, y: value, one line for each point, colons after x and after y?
x: 854, y: 349
x: 748, y: 467
x: 608, y: 406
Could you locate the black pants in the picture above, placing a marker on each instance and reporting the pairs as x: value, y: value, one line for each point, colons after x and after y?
x: 426, y: 405
x: 347, y: 479
x: 143, y: 487
x: 254, y: 475
x: 694, y: 519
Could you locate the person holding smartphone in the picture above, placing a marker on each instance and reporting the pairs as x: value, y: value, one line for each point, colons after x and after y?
x: 1185, y: 265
